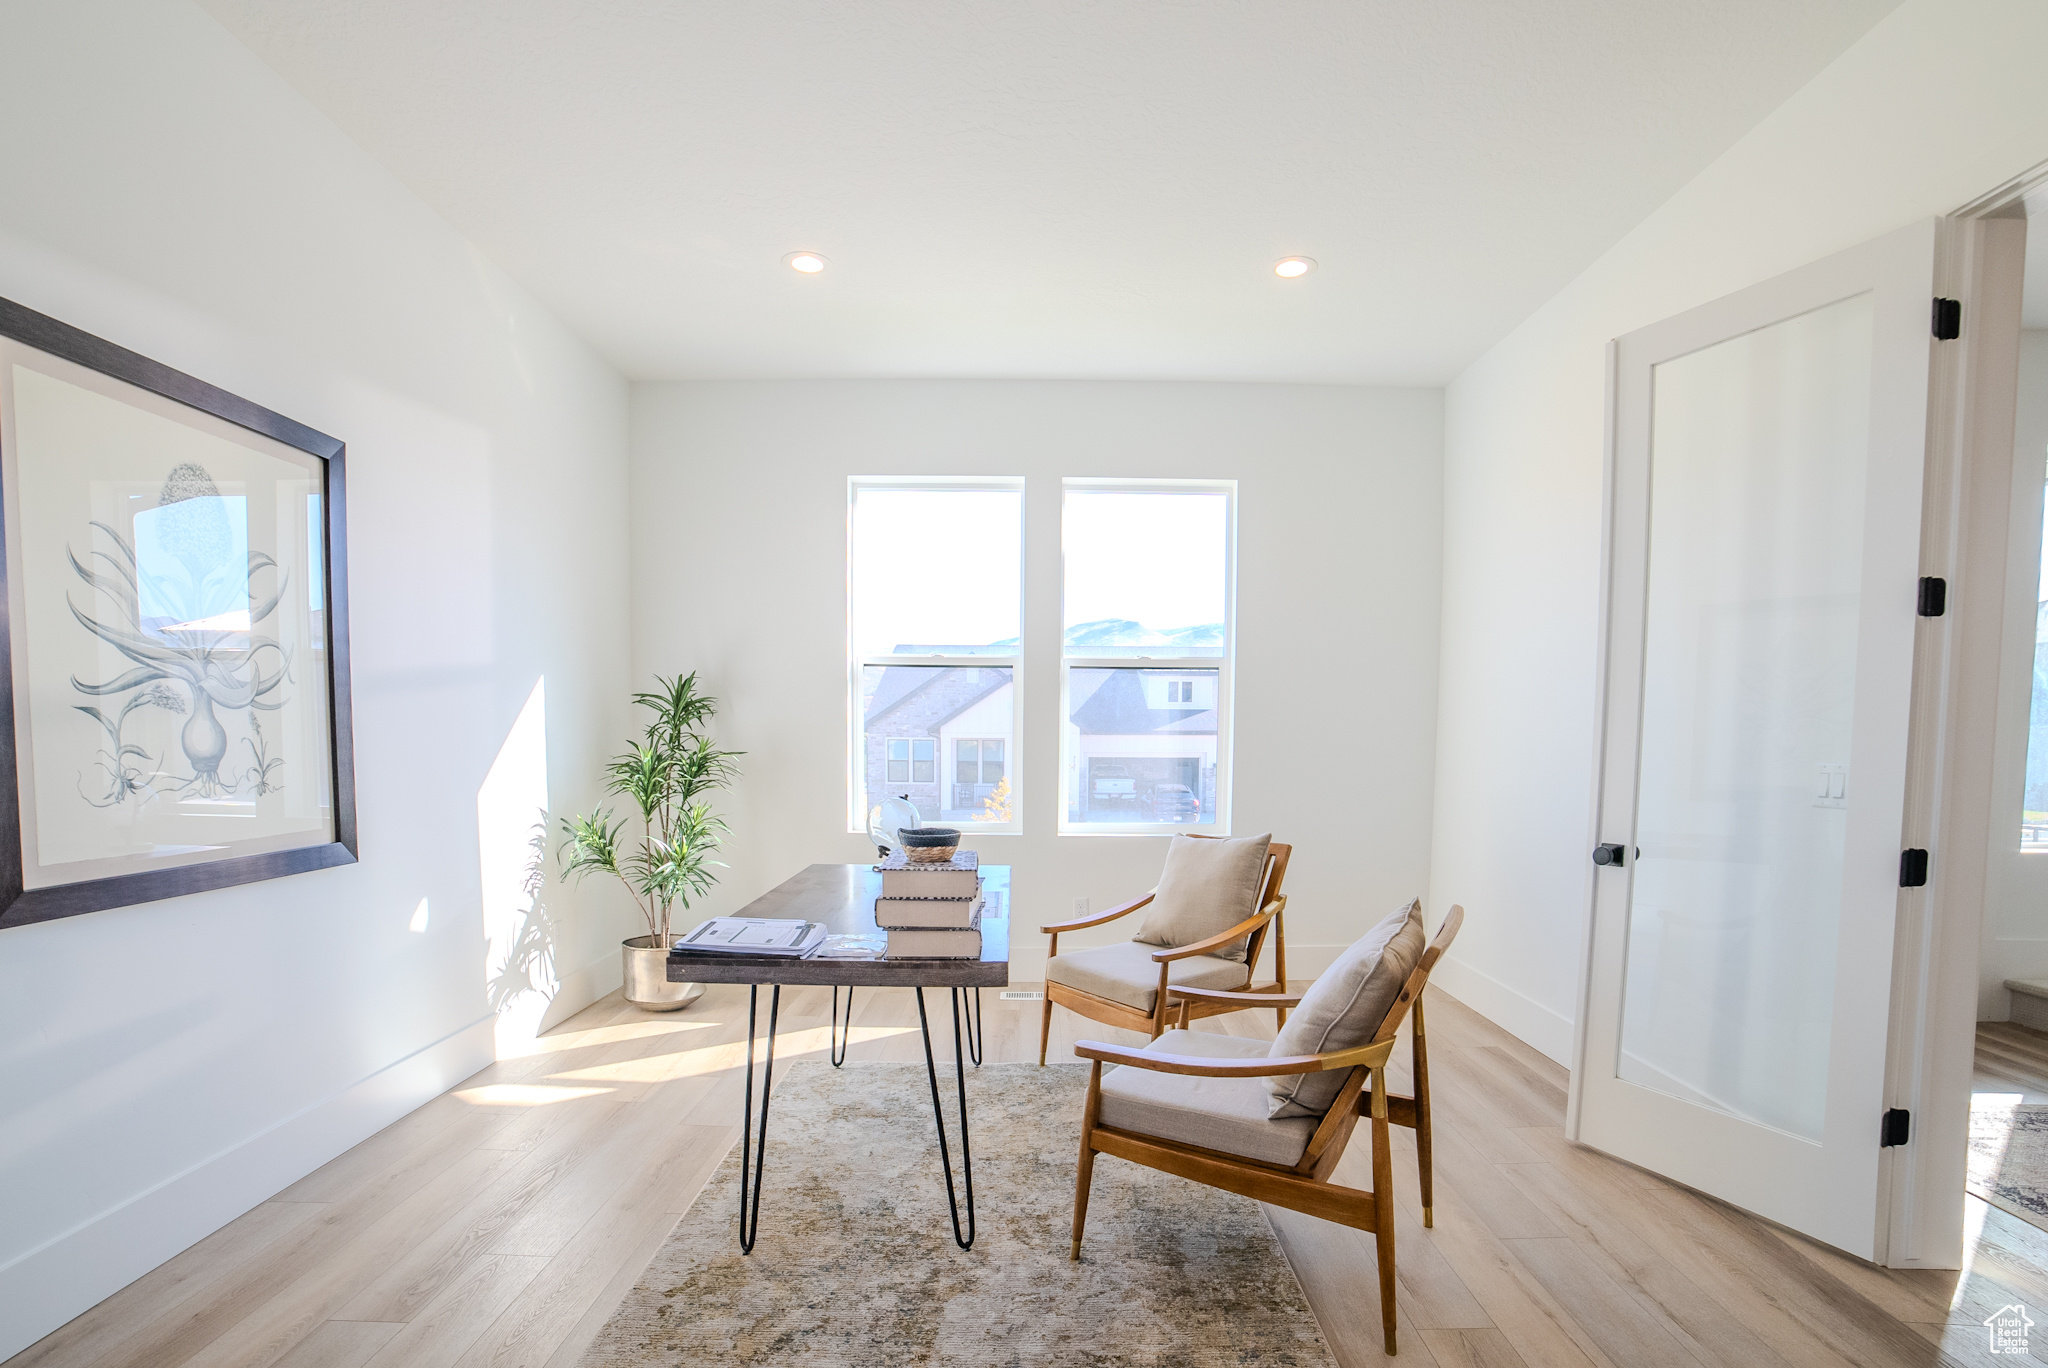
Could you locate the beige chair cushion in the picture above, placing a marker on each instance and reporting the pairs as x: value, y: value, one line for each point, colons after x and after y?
x: 1344, y: 1008
x: 1227, y: 1114
x: 1125, y: 973
x: 1207, y: 886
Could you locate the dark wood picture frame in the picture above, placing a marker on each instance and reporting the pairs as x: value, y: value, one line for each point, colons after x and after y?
x: 20, y: 906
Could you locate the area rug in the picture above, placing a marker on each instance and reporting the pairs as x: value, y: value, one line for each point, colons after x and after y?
x: 856, y: 1266
x: 2009, y: 1157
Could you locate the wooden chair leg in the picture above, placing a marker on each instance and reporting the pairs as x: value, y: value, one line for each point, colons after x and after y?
x: 1383, y: 1203
x: 1084, y: 1174
x: 1044, y: 1029
x: 1082, y: 1177
x: 1280, y: 965
x: 1423, y: 1154
x: 1160, y: 1006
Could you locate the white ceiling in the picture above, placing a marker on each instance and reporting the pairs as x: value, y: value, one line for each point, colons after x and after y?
x: 1056, y: 188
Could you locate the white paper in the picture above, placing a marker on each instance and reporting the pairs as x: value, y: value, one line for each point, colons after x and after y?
x: 770, y: 933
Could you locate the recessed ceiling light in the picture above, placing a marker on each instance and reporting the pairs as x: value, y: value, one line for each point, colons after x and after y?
x: 810, y: 263
x: 1289, y: 267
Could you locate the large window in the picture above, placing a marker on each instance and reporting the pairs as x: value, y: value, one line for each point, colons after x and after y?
x: 934, y: 594
x: 1145, y: 671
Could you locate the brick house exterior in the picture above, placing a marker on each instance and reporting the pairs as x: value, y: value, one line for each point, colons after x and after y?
x: 912, y: 703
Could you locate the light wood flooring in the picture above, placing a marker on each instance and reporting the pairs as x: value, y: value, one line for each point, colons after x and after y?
x: 2011, y: 1059
x: 499, y: 1224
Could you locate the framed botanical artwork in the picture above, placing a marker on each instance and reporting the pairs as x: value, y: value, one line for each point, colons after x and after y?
x: 174, y: 684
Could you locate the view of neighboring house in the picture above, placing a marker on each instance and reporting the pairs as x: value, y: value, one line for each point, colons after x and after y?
x: 939, y: 736
x: 1141, y: 741
x: 1141, y: 745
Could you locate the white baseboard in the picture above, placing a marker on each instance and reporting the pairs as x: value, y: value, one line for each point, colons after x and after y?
x: 1306, y: 962
x: 529, y: 1015
x: 582, y: 987
x: 49, y: 1285
x: 1520, y: 1016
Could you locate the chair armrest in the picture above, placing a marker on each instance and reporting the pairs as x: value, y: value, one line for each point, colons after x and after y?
x: 1080, y: 923
x: 1221, y: 938
x: 1238, y: 999
x: 1201, y: 1066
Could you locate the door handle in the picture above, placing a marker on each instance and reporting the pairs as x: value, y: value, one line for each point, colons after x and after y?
x: 1609, y: 854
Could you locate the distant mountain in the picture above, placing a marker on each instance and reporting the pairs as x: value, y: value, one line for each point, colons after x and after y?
x: 1203, y: 639
x: 1125, y: 632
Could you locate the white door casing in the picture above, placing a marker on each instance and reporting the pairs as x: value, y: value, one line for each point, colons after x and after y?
x: 1951, y: 808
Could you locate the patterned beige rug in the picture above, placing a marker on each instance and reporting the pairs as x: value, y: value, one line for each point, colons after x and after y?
x: 2009, y: 1156
x: 856, y: 1263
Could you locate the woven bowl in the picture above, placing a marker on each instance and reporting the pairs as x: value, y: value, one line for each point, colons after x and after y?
x: 929, y: 845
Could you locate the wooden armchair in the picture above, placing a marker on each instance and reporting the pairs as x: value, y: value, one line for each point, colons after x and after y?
x: 1145, y: 1006
x: 1288, y: 1162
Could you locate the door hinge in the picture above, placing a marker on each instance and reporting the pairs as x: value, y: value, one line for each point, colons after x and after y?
x: 1933, y: 596
x: 1609, y: 854
x: 1948, y: 319
x: 1912, y: 868
x: 1896, y: 1127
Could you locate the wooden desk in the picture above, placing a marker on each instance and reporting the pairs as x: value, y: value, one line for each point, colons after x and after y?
x: 843, y: 898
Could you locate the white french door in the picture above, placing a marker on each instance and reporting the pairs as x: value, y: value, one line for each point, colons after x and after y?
x: 1764, y: 518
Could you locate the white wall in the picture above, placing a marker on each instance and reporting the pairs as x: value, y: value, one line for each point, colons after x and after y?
x: 1940, y: 102
x: 164, y: 1067
x: 2016, y: 884
x: 739, y: 547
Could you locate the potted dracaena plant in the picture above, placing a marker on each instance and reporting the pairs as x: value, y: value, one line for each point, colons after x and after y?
x: 667, y: 777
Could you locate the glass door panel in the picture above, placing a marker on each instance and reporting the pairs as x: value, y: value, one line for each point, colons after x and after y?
x: 1758, y: 452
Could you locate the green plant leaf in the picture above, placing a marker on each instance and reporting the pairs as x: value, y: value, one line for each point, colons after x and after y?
x: 664, y: 776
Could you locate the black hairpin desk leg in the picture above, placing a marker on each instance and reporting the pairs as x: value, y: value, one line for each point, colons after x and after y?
x: 842, y: 1036
x: 974, y: 1031
x: 750, y: 1221
x: 939, y: 1117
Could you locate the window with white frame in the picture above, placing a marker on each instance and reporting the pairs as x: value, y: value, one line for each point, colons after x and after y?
x: 934, y: 602
x: 1149, y: 570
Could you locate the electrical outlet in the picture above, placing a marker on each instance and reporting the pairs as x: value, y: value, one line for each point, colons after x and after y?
x: 1080, y: 907
x: 1022, y: 997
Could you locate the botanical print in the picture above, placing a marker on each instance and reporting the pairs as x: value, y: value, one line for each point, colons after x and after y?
x: 169, y: 666
x: 204, y: 635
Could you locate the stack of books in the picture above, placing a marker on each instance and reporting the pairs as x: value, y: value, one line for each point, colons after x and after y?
x: 931, y: 911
